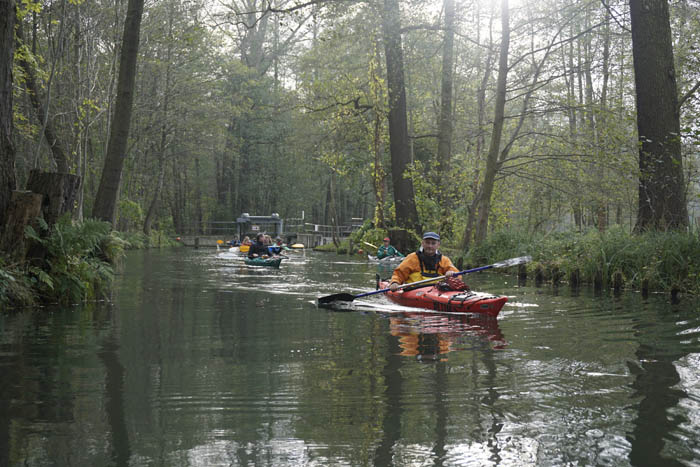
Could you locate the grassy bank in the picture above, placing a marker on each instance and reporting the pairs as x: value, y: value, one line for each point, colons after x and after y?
x: 74, y: 262
x: 654, y: 261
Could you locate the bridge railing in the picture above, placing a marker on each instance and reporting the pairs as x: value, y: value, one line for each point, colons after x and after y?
x: 227, y: 229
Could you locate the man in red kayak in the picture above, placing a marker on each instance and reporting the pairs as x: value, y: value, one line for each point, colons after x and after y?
x: 425, y: 263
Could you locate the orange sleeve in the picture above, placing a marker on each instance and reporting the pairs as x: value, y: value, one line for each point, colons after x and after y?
x: 408, y: 265
x: 446, y: 265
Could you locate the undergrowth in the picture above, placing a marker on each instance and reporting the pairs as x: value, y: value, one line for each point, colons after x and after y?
x: 654, y: 260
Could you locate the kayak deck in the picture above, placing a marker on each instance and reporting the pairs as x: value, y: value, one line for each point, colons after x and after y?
x: 269, y: 262
x: 461, y: 301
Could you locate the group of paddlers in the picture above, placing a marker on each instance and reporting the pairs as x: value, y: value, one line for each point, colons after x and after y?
x: 263, y: 246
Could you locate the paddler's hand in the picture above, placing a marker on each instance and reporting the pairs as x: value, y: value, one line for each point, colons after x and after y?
x: 393, y: 286
x: 449, y: 273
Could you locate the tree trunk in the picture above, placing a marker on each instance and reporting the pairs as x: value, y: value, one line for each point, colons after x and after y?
x: 498, y: 121
x: 60, y: 192
x: 7, y: 149
x: 378, y: 173
x: 23, y: 210
x: 60, y: 155
x: 480, y: 142
x: 662, y: 203
x: 164, y: 132
x: 105, y: 207
x: 444, y: 149
x: 406, y: 213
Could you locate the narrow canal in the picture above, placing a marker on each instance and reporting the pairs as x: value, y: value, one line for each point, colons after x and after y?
x: 200, y: 360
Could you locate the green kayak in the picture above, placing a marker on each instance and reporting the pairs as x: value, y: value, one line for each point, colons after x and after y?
x: 269, y: 262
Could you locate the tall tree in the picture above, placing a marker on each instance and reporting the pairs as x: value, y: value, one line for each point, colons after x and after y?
x: 108, y: 192
x: 57, y: 147
x: 498, y: 121
x: 662, y: 202
x: 406, y: 213
x: 444, y: 150
x: 7, y: 149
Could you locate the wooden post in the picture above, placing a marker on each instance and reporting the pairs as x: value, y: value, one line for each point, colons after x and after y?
x: 556, y: 275
x: 522, y: 272
x: 539, y: 275
x: 24, y: 209
x: 598, y: 281
x: 675, y: 300
x: 196, y: 242
x: 575, y: 278
x: 617, y: 281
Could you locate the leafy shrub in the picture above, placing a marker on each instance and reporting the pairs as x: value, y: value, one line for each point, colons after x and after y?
x: 15, y: 289
x: 77, y: 261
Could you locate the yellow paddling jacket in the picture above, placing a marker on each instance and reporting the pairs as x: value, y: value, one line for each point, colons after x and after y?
x: 413, y: 269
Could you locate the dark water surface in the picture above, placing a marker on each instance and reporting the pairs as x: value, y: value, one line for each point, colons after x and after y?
x: 200, y: 360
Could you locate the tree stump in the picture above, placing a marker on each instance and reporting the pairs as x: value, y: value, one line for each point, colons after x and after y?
x: 24, y: 209
x: 60, y: 192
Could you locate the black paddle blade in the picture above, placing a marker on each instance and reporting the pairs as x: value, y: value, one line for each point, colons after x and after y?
x: 339, y: 297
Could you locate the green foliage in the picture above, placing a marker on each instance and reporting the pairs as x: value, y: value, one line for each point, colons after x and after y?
x: 662, y: 260
x: 15, y: 288
x: 139, y: 240
x: 78, y: 260
x: 130, y: 215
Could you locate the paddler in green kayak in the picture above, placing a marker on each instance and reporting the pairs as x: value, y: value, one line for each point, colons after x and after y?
x: 258, y: 249
x: 387, y: 250
x: 425, y: 263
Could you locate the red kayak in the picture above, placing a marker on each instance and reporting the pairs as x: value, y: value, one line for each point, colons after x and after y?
x: 456, y: 301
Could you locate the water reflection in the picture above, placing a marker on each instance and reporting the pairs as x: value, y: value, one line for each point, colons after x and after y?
x: 430, y: 336
x: 200, y: 361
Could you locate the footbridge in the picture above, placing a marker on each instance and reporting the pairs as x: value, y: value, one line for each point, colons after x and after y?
x: 290, y: 230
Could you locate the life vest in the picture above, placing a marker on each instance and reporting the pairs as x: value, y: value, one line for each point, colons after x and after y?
x: 428, y: 267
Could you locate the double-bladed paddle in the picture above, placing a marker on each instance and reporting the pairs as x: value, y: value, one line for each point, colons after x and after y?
x: 346, y: 297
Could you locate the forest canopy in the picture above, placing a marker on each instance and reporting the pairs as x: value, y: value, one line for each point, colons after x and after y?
x: 518, y: 114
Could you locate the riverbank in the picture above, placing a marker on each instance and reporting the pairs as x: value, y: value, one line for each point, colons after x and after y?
x: 614, y: 259
x: 71, y: 263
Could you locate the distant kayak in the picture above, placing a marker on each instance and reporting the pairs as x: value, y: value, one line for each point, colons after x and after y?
x: 385, y: 260
x: 269, y: 262
x: 461, y: 301
x: 297, y: 246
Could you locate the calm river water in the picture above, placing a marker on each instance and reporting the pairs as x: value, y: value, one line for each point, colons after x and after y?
x: 199, y: 360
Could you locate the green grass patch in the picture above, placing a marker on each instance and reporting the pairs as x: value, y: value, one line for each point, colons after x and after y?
x: 660, y: 261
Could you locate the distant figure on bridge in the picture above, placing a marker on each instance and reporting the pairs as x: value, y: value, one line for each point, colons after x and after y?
x: 387, y: 250
x: 259, y: 248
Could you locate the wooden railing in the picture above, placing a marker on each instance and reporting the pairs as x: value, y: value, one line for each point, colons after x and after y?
x: 227, y: 229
